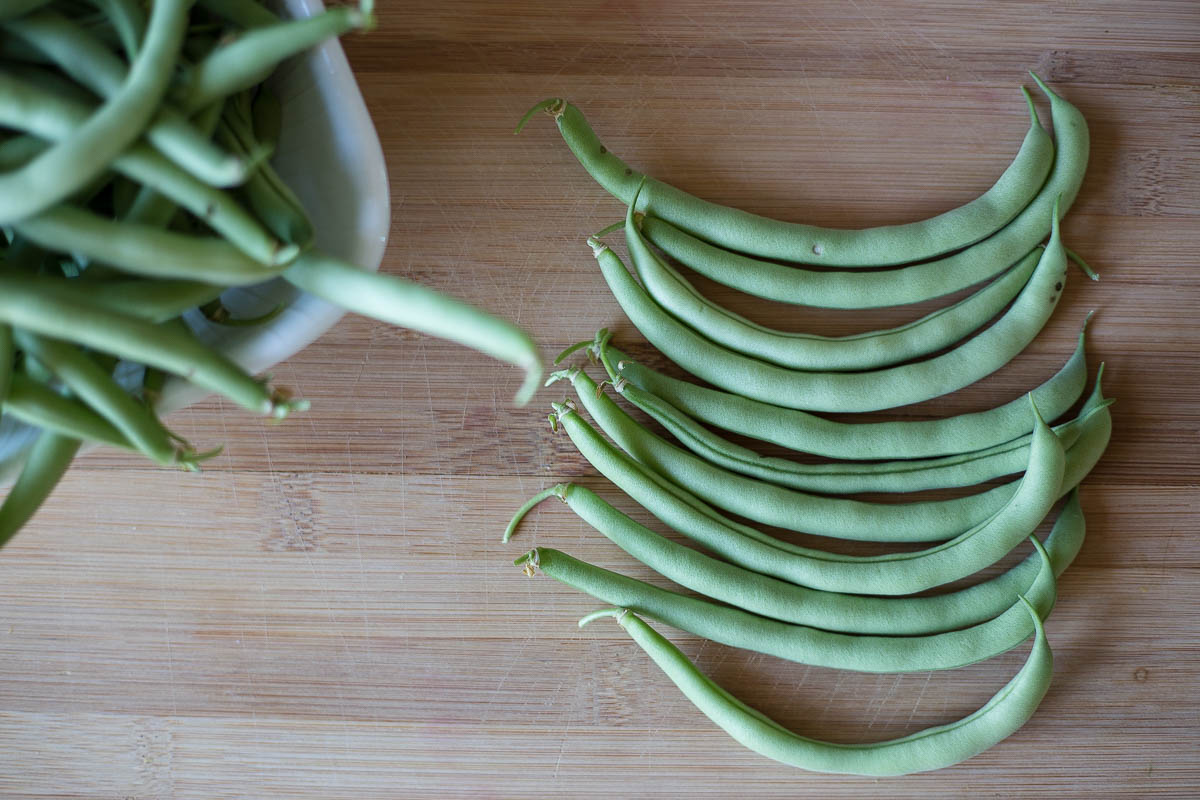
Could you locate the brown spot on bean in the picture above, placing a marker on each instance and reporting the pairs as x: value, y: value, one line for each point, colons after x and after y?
x: 603, y: 149
x: 1058, y: 286
x: 1052, y: 297
x: 628, y: 171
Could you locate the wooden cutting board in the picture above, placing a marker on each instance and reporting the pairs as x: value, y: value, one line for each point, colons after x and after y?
x: 327, y: 611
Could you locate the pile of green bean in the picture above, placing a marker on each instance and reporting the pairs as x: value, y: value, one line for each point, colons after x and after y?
x: 757, y: 591
x: 135, y: 186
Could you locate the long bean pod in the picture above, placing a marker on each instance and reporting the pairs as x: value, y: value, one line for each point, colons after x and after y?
x: 799, y: 605
x: 24, y: 305
x: 849, y: 477
x: 808, y: 351
x: 880, y: 246
x: 972, y: 549
x: 893, y: 439
x: 932, y: 748
x: 801, y: 643
x: 410, y: 305
x: 48, y: 459
x: 873, y: 390
x: 779, y: 506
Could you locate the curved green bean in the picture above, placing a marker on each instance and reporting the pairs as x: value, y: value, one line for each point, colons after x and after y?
x: 249, y: 58
x: 85, y: 59
x: 910, y: 284
x: 801, y: 431
x: 36, y: 404
x: 129, y: 21
x: 143, y: 249
x: 932, y: 748
x: 975, y: 546
x: 16, y: 8
x: 410, y: 305
x: 8, y: 356
x: 72, y: 163
x: 24, y: 305
x: 800, y: 643
x: 779, y: 506
x: 874, y: 390
x: 880, y: 246
x: 902, y: 475
x: 96, y: 387
x: 48, y: 459
x: 799, y: 605
x: 808, y: 351
x: 151, y: 300
x: 264, y: 191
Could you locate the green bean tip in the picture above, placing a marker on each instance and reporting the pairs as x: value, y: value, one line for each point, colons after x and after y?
x: 553, y: 106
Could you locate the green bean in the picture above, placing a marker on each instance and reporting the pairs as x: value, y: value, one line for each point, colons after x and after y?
x: 843, y: 391
x: 248, y: 59
x: 776, y: 505
x: 95, y: 387
x: 89, y: 62
x: 48, y: 459
x: 798, y: 430
x: 129, y: 21
x: 70, y: 164
x: 798, y: 605
x: 880, y: 246
x: 8, y: 356
x: 808, y: 351
x: 16, y: 8
x: 980, y: 544
x: 36, y: 404
x: 44, y: 114
x: 903, y: 475
x: 18, y: 150
x: 144, y: 250
x: 932, y: 748
x: 266, y: 116
x: 410, y: 305
x: 800, y: 643
x: 23, y: 304
x: 264, y: 191
x: 911, y: 284
x: 151, y: 300
x: 243, y: 13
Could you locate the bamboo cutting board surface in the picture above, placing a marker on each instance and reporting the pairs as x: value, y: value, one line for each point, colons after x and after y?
x: 327, y: 611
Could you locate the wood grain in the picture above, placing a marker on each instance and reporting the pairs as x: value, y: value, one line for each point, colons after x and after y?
x: 327, y: 611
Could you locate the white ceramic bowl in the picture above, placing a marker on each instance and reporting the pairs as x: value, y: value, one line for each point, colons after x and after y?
x: 329, y: 154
